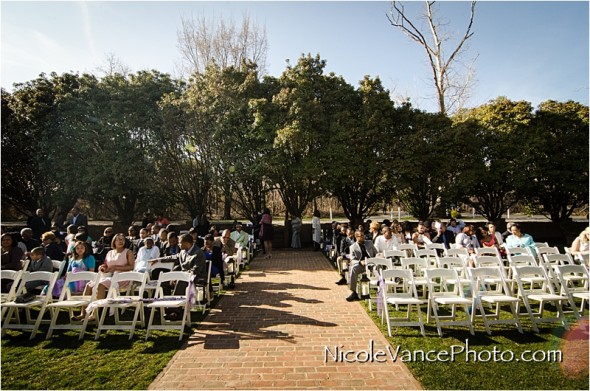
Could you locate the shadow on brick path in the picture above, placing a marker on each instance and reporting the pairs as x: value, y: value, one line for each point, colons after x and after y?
x: 280, y: 328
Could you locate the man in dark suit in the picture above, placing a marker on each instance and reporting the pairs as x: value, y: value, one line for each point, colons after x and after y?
x: 39, y: 223
x: 78, y: 218
x: 443, y: 235
x: 359, y: 251
x: 190, y: 258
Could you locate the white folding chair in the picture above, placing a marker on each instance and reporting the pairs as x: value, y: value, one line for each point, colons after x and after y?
x: 202, y: 293
x: 493, y: 261
x: 541, y: 244
x: 409, y: 248
x: 58, y: 265
x: 163, y: 301
x: 457, y: 264
x: 372, y: 268
x: 542, y: 294
x: 574, y: 285
x: 69, y: 300
x: 445, y: 289
x: 550, y: 261
x: 522, y: 260
x: 15, y: 276
x: 24, y: 263
x: 117, y: 300
x: 163, y: 267
x: 430, y: 254
x: 457, y: 252
x: 395, y: 256
x: 400, y: 290
x: 488, y: 251
x: 482, y: 293
x: 40, y: 301
x: 417, y: 266
x: 439, y: 247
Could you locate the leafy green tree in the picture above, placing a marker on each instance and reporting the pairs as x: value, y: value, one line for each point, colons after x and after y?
x: 487, y: 139
x: 556, y: 165
x: 357, y: 173
x: 421, y: 171
x: 105, y: 143
x: 300, y: 115
x: 29, y: 122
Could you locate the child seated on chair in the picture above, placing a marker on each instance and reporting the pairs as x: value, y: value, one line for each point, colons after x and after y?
x: 39, y: 263
x: 145, y: 254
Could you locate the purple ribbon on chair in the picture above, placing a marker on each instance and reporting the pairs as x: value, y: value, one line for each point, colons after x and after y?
x: 380, y: 289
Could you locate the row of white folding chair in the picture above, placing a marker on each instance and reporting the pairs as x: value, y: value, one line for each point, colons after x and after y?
x: 534, y: 286
x: 14, y: 276
x: 70, y: 301
x: 574, y: 283
x: 490, y: 287
x: 40, y: 301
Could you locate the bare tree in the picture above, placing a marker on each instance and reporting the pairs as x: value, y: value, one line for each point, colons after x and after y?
x: 204, y: 41
x: 452, y: 85
x: 113, y: 64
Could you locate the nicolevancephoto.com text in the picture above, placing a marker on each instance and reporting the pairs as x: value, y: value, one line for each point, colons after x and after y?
x: 456, y: 352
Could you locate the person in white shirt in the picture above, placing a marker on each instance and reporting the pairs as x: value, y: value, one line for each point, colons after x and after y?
x: 386, y: 241
x: 240, y: 237
x: 466, y: 239
x: 145, y: 254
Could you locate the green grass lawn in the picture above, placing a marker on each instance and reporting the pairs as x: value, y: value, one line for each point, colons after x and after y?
x: 519, y: 375
x: 113, y: 362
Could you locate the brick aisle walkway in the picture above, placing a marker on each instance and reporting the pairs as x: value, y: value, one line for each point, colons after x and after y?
x: 272, y: 332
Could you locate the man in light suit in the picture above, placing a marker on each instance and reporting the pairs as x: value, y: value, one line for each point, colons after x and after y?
x: 359, y: 251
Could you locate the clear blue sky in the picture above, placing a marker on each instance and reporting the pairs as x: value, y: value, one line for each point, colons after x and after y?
x: 526, y: 50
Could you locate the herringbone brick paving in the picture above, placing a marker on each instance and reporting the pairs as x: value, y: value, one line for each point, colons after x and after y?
x: 272, y: 332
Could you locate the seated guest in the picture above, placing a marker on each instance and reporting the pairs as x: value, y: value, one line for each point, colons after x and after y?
x: 359, y: 251
x: 156, y: 234
x: 190, y: 258
x: 39, y: 263
x: 103, y: 245
x: 213, y: 254
x: 83, y: 230
x: 240, y: 236
x: 421, y: 237
x: 81, y: 260
x: 71, y: 231
x: 467, y: 240
x: 520, y: 239
x: 145, y: 254
x: 398, y: 232
x: 343, y: 259
x: 27, y: 238
x: 374, y: 231
x: 52, y: 250
x: 163, y: 233
x: 143, y: 234
x: 499, y: 240
x: 226, y: 243
x: 508, y: 232
x: 119, y: 259
x: 386, y: 241
x: 581, y: 245
x: 443, y: 235
x: 171, y: 247
x: 455, y: 227
x: 11, y: 253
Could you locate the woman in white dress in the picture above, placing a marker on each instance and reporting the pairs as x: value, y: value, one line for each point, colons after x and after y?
x: 316, y: 230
